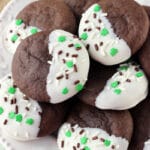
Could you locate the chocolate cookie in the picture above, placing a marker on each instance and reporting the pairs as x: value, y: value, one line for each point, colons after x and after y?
x: 141, y: 136
x: 25, y: 119
x: 51, y: 67
x: 88, y: 128
x: 37, y: 16
x: 114, y: 30
x: 111, y: 89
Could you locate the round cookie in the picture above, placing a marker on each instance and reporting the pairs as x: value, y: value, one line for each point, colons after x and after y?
x: 37, y: 16
x: 51, y: 67
x: 88, y: 128
x: 141, y: 135
x: 111, y: 89
x: 25, y: 119
x: 106, y: 28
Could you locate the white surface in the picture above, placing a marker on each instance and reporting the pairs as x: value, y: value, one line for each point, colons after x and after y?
x: 143, y: 2
x: 7, y: 15
x: 110, y: 41
x: 118, y: 142
x: 59, y: 68
x: 132, y: 92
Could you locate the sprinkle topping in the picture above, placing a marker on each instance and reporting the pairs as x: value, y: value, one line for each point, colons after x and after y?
x: 19, y: 118
x: 84, y: 140
x: 79, y: 87
x: 107, y: 142
x: 104, y: 32
x: 11, y: 115
x: 19, y: 22
x: 68, y: 133
x: 61, y: 38
x: 65, y: 91
x: 97, y: 8
x: 139, y: 74
x: 84, y: 36
x: 1, y: 110
x: 113, y: 51
x: 117, y: 91
x: 12, y: 90
x: 34, y: 30
x: 69, y: 64
x: 29, y: 121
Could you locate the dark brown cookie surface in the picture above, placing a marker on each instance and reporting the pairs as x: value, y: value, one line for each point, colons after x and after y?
x: 141, y: 134
x: 88, y: 127
x: 32, y: 52
x: 49, y: 14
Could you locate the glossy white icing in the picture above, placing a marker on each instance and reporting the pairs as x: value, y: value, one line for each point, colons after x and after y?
x: 127, y: 87
x: 143, y: 2
x: 96, y: 31
x: 69, y: 67
x: 147, y: 145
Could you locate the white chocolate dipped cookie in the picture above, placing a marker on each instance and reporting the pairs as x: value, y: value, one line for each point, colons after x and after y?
x: 106, y: 34
x: 63, y: 61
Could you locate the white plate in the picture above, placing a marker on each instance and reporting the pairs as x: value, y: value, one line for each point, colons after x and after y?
x: 7, y: 15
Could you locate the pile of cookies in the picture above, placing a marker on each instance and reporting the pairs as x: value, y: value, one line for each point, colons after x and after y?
x: 80, y: 68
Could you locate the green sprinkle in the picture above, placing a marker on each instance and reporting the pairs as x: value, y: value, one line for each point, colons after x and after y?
x: 14, y: 38
x: 61, y: 39
x: 12, y: 90
x: 97, y: 8
x: 69, y: 64
x: 86, y: 148
x: 107, y: 143
x: 68, y: 133
x: 84, y: 36
x: 139, y: 74
x: 19, y: 22
x: 104, y: 32
x: 29, y: 121
x: 34, y: 30
x: 77, y: 45
x: 124, y: 68
x: 19, y: 118
x: 65, y: 91
x: 79, y: 87
x: 113, y: 51
x: 83, y: 140
x: 1, y: 110
x: 11, y: 115
x: 114, y: 84
x: 117, y: 91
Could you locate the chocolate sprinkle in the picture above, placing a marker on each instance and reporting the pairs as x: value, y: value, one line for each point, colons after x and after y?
x: 60, y: 77
x: 67, y: 54
x: 75, y: 68
x: 78, y: 145
x: 60, y: 52
x: 64, y: 61
x: 5, y: 122
x: 72, y: 129
x: 137, y: 69
x: 67, y: 76
x: 94, y: 15
x: 75, y: 55
x: 16, y: 109
x: 11, y: 31
x: 27, y: 108
x: 102, y: 140
x: 113, y: 146
x: 86, y: 21
x: 81, y: 132
x: 101, y: 43
x: 76, y: 82
x: 120, y: 73
x: 95, y: 138
x: 98, y: 28
x: 87, y: 46
x: 70, y: 45
x: 25, y: 97
x: 62, y: 144
x: 5, y: 99
x: 99, y: 21
x: 85, y: 30
x: 128, y: 80
x: 89, y: 29
x: 74, y: 148
x: 96, y: 47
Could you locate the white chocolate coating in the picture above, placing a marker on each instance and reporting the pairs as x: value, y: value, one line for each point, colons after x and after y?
x: 107, y: 49
x: 21, y: 31
x: 64, y: 81
x: 143, y: 2
x: 96, y: 139
x: 147, y: 145
x: 16, y: 111
x: 126, y: 88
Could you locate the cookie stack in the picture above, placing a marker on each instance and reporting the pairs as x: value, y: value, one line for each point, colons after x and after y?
x: 80, y: 68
